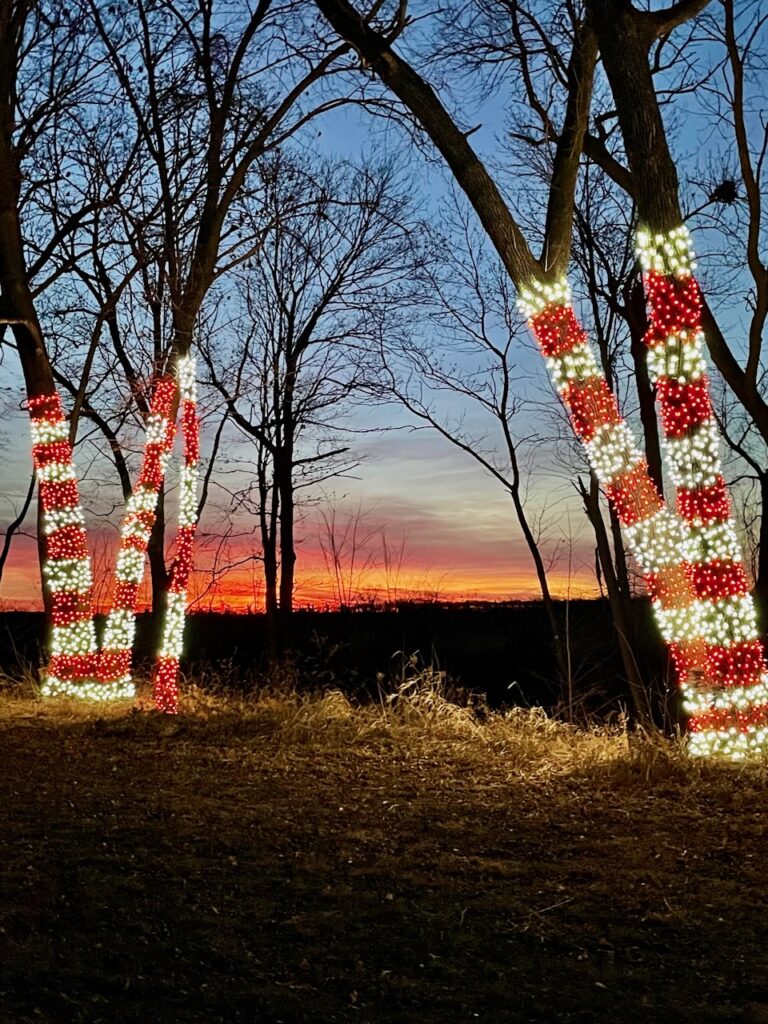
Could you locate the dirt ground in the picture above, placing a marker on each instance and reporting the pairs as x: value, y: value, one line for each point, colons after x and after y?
x: 207, y: 869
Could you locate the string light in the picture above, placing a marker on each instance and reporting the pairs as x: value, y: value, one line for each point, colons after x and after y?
x: 76, y: 667
x: 729, y: 714
x: 120, y: 629
x: 690, y: 561
x: 654, y: 534
x: 165, y: 680
x: 67, y: 565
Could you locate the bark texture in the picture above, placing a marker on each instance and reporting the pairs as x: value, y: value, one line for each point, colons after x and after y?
x: 625, y: 36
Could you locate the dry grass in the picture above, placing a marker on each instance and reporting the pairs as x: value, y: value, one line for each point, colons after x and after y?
x: 421, y: 713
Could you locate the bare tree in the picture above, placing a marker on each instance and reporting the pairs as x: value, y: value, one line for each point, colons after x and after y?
x: 188, y: 97
x: 47, y: 80
x: 14, y: 527
x: 465, y: 350
x: 332, y: 275
x: 373, y: 42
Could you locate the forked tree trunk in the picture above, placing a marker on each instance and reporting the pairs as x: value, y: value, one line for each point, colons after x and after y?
x: 625, y: 36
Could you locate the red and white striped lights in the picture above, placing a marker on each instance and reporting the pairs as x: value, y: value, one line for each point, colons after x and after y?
x: 729, y: 708
x: 72, y: 668
x: 655, y: 535
x: 119, y: 633
x: 165, y: 681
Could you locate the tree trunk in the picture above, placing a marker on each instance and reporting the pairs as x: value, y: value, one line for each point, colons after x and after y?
x: 637, y: 320
x: 158, y: 572
x: 625, y: 37
x: 619, y: 603
x: 283, y: 467
x: 16, y: 303
x: 761, y: 582
x: 284, y: 483
x: 558, y: 643
x: 619, y: 556
x: 271, y: 603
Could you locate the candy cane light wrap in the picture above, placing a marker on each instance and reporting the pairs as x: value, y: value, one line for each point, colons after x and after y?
x: 165, y: 681
x: 119, y: 633
x: 729, y: 712
x: 67, y: 569
x: 655, y: 535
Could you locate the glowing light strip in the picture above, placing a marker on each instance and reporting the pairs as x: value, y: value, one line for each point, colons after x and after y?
x: 45, y: 431
x: 653, y: 533
x: 538, y: 295
x: 731, y: 744
x: 86, y: 689
x: 694, y: 461
x: 67, y: 567
x: 730, y: 717
x: 68, y: 574
x: 138, y: 520
x: 613, y: 451
x: 57, y: 471
x: 680, y: 356
x: 667, y: 254
x: 578, y: 363
x: 715, y: 541
x: 699, y: 700
x: 726, y: 622
x: 656, y: 541
x: 165, y: 680
x: 55, y: 518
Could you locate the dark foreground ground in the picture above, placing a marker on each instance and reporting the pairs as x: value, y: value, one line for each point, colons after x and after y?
x: 310, y: 863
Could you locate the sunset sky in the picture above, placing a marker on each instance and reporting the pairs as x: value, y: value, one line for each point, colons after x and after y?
x: 453, y: 524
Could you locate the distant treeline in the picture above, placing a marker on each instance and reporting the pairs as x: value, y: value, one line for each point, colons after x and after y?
x: 500, y: 649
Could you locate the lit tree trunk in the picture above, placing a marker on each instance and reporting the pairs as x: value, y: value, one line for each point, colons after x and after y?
x: 726, y: 695
x: 655, y: 535
x: 165, y: 678
x: 62, y: 543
